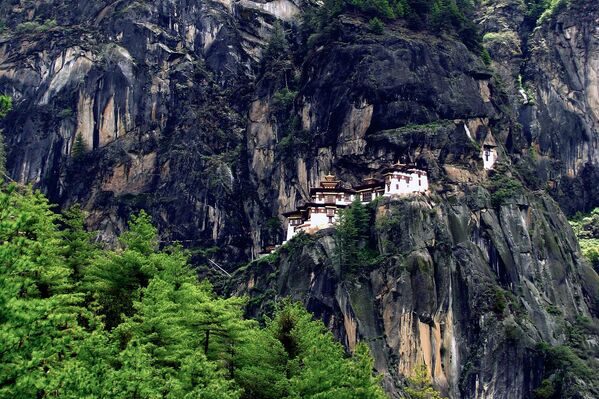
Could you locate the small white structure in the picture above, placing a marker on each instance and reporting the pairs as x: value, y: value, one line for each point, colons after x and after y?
x: 489, y: 152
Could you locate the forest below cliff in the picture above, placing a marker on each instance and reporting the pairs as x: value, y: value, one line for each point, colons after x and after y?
x: 134, y: 322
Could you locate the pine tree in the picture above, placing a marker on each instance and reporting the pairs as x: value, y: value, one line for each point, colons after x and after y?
x: 79, y: 147
x: 420, y: 387
x: 5, y: 105
x: 153, y: 330
x: 352, y: 237
x: 2, y: 156
x: 39, y: 312
x: 79, y: 249
x: 317, y: 364
x: 5, y: 108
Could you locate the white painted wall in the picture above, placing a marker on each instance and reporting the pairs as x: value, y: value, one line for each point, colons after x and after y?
x: 489, y: 157
x: 319, y: 219
x: 290, y: 231
x: 403, y: 183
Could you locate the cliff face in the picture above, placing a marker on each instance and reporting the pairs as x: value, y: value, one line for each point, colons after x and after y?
x: 463, y: 286
x: 549, y: 68
x: 187, y: 111
x: 158, y: 91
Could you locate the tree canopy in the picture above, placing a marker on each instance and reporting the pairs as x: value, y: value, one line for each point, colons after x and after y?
x: 134, y: 322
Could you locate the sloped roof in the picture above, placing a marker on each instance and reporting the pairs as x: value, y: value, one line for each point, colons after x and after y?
x: 490, y: 141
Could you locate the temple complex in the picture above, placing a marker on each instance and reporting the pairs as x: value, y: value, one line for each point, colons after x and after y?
x: 327, y: 200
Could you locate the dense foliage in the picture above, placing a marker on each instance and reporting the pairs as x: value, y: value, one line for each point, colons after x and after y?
x: 586, y: 228
x: 78, y: 321
x: 353, y: 249
x: 5, y: 108
x: 434, y: 15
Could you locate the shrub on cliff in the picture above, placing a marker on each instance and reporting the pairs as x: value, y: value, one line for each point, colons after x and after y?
x: 433, y: 15
x: 352, y: 239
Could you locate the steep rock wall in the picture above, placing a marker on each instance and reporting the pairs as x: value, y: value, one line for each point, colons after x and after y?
x: 465, y: 287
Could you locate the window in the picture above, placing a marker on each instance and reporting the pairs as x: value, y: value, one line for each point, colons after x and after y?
x: 366, y: 197
x: 330, y: 212
x: 397, y: 186
x: 330, y: 199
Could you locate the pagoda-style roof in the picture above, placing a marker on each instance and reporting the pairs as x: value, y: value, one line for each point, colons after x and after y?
x: 290, y: 214
x: 330, y: 182
x: 489, y: 141
x: 396, y: 167
x: 338, y: 189
x: 321, y: 205
x: 369, y: 183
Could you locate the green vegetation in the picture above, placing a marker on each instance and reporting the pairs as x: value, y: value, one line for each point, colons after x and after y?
x: 486, y: 57
x: 586, y: 228
x: 283, y: 99
x: 35, y: 26
x: 420, y: 387
x: 540, y: 11
x: 435, y: 15
x: 376, y: 26
x: 503, y: 186
x: 5, y: 108
x: 134, y: 322
x: 66, y: 113
x: 78, y: 147
x: 353, y: 250
x: 564, y: 371
x: 5, y: 105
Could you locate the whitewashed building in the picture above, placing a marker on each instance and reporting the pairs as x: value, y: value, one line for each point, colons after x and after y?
x: 402, y: 179
x: 327, y: 200
x: 489, y: 152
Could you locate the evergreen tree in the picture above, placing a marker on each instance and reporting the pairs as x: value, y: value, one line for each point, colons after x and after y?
x: 420, y: 387
x: 153, y: 330
x: 115, y: 280
x: 317, y: 365
x: 39, y: 313
x: 5, y: 105
x: 166, y: 353
x: 352, y: 237
x: 79, y: 250
x: 78, y: 146
x: 5, y: 108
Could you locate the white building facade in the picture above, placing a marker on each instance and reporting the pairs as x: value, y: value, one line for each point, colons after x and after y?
x: 331, y: 197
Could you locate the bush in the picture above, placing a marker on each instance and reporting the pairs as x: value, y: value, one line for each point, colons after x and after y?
x: 586, y: 228
x: 437, y: 15
x: 503, y: 186
x: 486, y: 57
x: 5, y: 105
x: 283, y: 99
x: 376, y: 26
x: 564, y: 371
x: 36, y: 27
x: 65, y: 113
